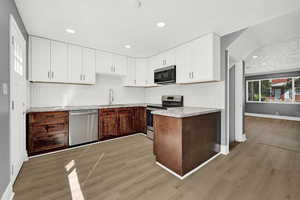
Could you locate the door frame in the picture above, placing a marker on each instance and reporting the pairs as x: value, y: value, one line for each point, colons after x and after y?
x: 231, y: 103
x: 240, y: 136
x: 13, y: 24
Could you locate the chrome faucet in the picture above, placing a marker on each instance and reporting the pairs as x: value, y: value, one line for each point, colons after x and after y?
x: 111, y: 97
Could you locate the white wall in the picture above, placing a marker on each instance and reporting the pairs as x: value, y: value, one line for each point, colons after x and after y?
x: 45, y: 94
x: 204, y: 94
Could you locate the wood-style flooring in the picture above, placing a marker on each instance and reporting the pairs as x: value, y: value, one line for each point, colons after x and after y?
x: 265, y: 167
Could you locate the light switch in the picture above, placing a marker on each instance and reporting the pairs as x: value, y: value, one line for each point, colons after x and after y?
x: 4, y: 89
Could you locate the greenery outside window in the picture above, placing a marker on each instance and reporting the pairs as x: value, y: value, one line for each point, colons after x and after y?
x: 279, y: 90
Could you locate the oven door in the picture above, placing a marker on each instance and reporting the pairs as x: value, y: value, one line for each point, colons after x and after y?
x: 149, y: 120
x: 165, y: 75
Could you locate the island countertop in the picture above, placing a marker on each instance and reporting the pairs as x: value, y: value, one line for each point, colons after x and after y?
x: 185, y: 111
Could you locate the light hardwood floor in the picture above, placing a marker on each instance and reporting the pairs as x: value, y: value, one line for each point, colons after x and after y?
x: 265, y: 167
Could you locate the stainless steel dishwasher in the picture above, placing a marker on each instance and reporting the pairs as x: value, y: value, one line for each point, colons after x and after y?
x: 83, y: 126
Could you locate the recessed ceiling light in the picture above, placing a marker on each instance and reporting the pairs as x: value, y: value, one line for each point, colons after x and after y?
x: 264, y: 64
x: 254, y: 57
x: 71, y: 31
x: 161, y: 24
x: 127, y: 46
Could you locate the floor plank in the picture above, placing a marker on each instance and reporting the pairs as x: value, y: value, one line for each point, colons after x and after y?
x: 266, y: 166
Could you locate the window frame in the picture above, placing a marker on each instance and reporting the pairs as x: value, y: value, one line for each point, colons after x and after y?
x: 270, y: 79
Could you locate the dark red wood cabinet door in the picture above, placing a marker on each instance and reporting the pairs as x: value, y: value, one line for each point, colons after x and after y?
x: 108, y: 123
x: 125, y: 121
x: 47, y: 131
x: 139, y: 119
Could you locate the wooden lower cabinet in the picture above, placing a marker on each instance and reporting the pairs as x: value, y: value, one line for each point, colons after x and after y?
x: 47, y: 131
x: 117, y: 122
x: 107, y: 123
x: 182, y: 144
x: 125, y: 121
x: 139, y: 120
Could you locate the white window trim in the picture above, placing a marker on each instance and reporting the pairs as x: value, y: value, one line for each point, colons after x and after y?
x: 264, y: 102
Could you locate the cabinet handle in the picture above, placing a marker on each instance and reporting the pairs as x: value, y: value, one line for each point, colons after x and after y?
x: 81, y: 77
x: 84, y: 77
x: 192, y: 75
x: 49, y: 74
x: 52, y: 74
x: 114, y: 68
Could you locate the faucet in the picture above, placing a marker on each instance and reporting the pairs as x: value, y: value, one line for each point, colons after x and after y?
x: 111, y: 96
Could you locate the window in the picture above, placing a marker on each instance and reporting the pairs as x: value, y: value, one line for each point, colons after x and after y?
x: 253, y: 91
x: 297, y: 89
x: 266, y: 90
x: 279, y: 90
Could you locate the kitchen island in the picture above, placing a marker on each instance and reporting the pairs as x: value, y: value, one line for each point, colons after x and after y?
x: 185, y: 138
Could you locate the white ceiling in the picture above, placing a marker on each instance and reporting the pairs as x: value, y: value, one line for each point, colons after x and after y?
x: 277, y: 30
x: 111, y: 24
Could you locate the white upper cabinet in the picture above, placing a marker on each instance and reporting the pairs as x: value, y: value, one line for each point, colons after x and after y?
x: 199, y: 60
x: 52, y: 61
x: 108, y: 63
x: 130, y: 79
x: 59, y: 62
x: 119, y: 64
x: 153, y: 63
x: 205, y: 59
x: 40, y: 59
x: 82, y: 65
x: 136, y: 73
x: 182, y: 66
x: 75, y: 64
x: 141, y: 72
x: 103, y: 62
x: 166, y: 59
x: 88, y: 66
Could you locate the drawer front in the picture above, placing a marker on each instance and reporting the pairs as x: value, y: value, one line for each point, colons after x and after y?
x: 108, y: 111
x: 48, y: 143
x: 52, y: 129
x: 47, y: 131
x: 45, y: 118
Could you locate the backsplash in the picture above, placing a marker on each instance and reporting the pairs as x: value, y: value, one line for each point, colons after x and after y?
x: 202, y: 94
x: 49, y: 94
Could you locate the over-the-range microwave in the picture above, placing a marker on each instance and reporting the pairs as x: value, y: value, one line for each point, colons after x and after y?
x: 165, y: 75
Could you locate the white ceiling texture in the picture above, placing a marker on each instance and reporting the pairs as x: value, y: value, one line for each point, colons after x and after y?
x: 111, y: 24
x: 278, y: 30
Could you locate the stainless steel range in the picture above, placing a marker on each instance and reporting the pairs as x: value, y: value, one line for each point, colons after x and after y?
x: 168, y: 101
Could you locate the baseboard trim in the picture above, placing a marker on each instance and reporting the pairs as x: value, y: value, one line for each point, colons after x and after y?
x: 242, y: 138
x: 273, y: 116
x: 8, y: 193
x: 224, y: 149
x: 191, y: 172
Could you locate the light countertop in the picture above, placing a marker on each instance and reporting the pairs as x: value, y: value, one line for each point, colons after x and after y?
x: 185, y: 111
x: 91, y: 107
